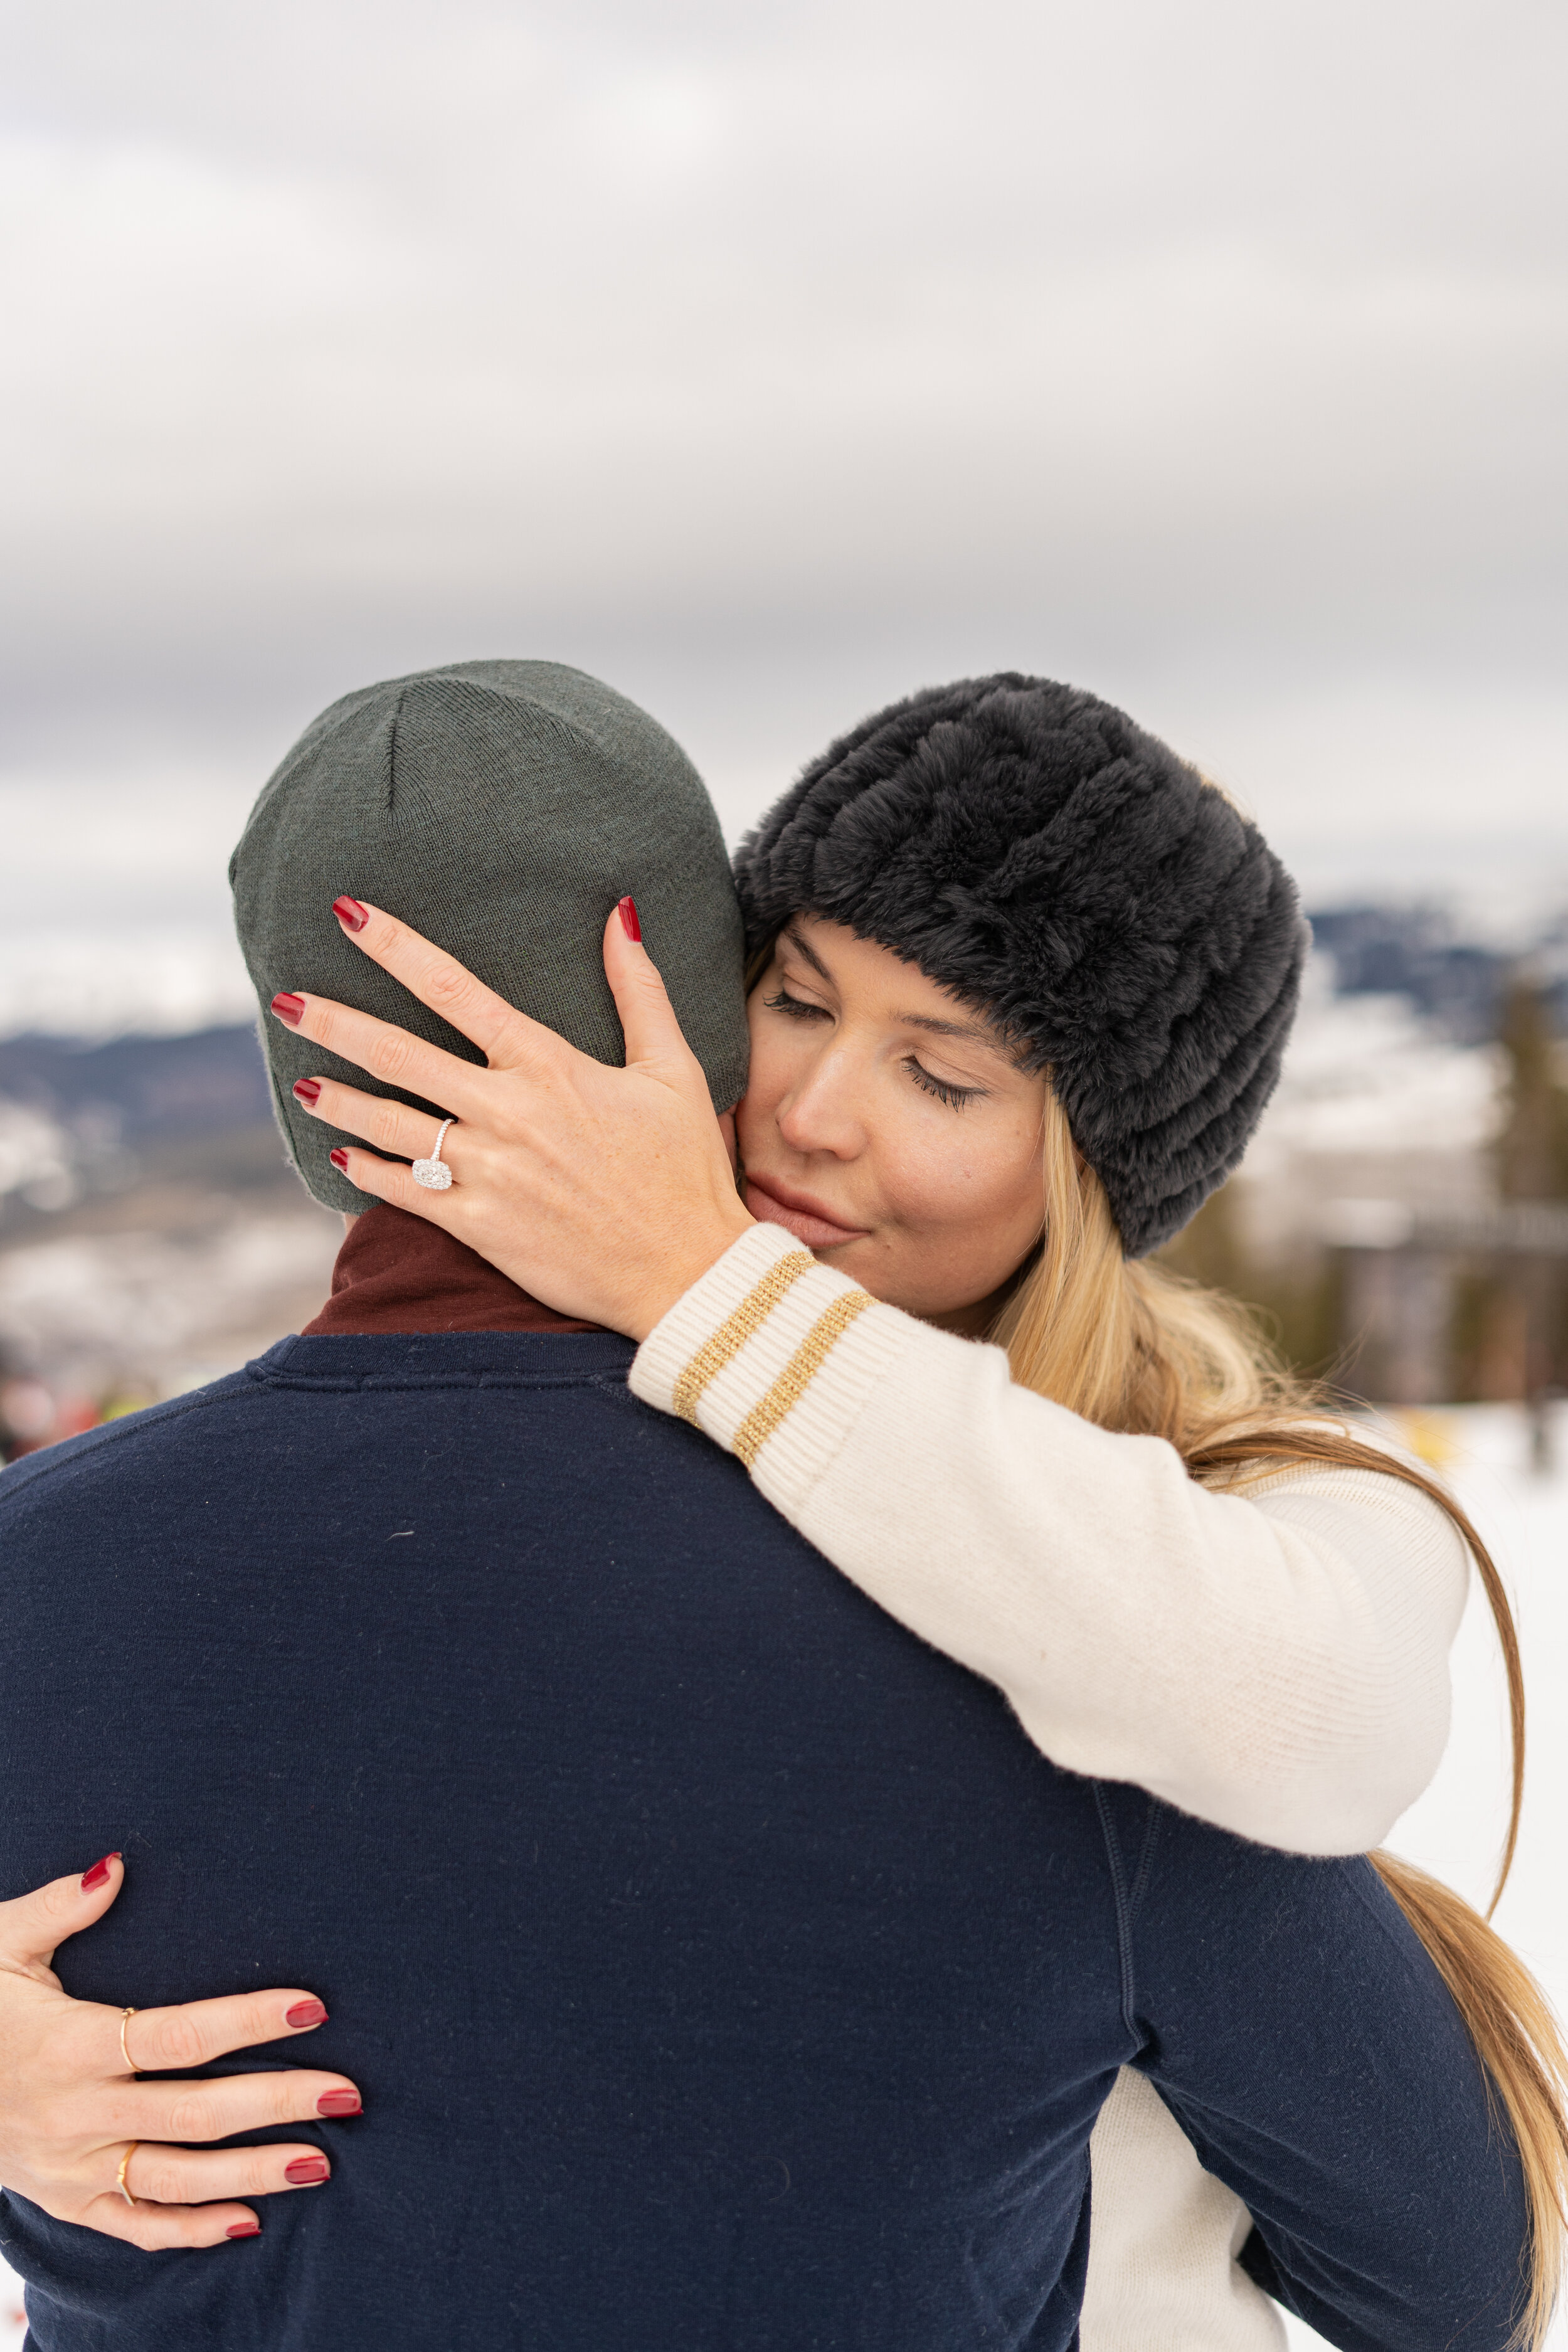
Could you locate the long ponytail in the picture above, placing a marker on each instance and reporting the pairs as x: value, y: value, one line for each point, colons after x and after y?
x: 1516, y: 2038
x: 1136, y: 1348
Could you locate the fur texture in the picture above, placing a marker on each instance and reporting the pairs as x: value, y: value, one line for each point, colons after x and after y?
x: 1033, y: 850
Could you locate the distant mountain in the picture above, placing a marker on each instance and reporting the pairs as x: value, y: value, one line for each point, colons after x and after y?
x: 142, y: 1087
x: 151, y: 1234
x: 1412, y: 951
x: 147, y: 1090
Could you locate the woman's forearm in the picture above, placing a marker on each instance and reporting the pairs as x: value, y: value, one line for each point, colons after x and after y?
x: 1274, y: 1662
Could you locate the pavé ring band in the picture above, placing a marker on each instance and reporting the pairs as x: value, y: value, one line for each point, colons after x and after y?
x: 434, y: 1173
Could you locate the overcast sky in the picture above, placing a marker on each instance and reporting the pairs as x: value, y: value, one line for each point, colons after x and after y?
x: 771, y: 362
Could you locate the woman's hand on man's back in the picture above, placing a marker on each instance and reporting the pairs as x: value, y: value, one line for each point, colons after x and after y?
x: 70, y: 2108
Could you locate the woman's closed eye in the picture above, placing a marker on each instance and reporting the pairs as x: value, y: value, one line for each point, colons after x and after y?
x: 800, y: 1008
x: 797, y: 1007
x: 944, y: 1090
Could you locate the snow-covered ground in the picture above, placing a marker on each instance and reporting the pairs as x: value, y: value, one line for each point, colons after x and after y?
x: 172, y: 1310
x: 1368, y: 1073
x: 1456, y: 1828
x: 1374, y: 1103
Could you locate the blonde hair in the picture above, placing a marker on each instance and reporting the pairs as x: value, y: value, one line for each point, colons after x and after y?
x: 1136, y: 1348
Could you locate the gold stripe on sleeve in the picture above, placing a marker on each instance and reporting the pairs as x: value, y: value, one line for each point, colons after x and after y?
x: 736, y: 1328
x: 797, y: 1374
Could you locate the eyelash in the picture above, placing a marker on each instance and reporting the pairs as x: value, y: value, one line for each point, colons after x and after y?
x: 795, y: 1006
x: 953, y: 1096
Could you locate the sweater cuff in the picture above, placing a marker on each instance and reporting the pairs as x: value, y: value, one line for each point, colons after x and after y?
x: 772, y: 1355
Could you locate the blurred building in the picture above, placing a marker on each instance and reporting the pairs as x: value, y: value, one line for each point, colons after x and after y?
x: 1403, y: 1216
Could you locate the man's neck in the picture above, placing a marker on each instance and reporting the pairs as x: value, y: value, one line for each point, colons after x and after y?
x: 397, y: 1273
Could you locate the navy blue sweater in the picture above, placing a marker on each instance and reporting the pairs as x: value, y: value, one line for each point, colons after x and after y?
x: 722, y: 1970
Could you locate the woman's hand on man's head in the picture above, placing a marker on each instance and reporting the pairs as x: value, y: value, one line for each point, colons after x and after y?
x: 75, y: 2122
x: 604, y: 1193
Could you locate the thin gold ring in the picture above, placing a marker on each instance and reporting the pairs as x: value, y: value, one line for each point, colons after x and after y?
x: 125, y: 2017
x: 120, y: 2176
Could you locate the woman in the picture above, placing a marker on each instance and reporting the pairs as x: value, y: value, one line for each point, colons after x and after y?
x: 1021, y: 985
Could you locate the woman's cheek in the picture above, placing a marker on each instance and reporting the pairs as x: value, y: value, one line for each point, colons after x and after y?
x: 751, y: 1119
x: 767, y: 1082
x: 981, y: 1221
x: 946, y: 1198
x: 755, y: 1127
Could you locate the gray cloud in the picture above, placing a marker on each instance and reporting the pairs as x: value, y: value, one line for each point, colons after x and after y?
x: 776, y: 360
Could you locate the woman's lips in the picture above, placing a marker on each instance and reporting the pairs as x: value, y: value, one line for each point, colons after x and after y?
x: 798, y: 1215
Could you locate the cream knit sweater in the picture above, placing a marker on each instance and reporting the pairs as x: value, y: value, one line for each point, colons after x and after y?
x: 1273, y: 1662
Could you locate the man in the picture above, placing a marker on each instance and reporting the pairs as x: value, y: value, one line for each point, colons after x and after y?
x: 719, y: 1965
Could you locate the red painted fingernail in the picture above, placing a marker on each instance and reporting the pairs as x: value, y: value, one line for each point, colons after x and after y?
x: 628, y: 910
x: 98, y: 1873
x: 339, y: 1159
x: 308, y: 1089
x: 339, y: 2103
x: 244, y: 2230
x: 351, y: 914
x: 291, y: 1009
x: 307, y: 2170
x: 306, y: 2013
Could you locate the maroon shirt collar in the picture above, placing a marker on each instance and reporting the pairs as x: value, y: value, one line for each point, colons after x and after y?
x: 396, y: 1273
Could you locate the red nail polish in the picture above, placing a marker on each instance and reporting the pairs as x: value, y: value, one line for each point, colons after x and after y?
x: 339, y: 2103
x: 287, y: 1008
x: 306, y: 2013
x: 307, y: 2170
x: 308, y: 1090
x: 628, y: 910
x: 98, y: 1873
x: 244, y: 2230
x: 339, y: 1159
x: 351, y: 914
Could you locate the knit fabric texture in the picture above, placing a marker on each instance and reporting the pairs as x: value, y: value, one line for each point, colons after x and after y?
x: 1305, y: 1704
x: 500, y: 808
x: 790, y: 1979
x: 1030, y: 848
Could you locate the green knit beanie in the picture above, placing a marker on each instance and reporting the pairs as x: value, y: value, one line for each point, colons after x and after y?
x: 501, y: 808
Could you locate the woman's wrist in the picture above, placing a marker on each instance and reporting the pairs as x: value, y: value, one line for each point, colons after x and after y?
x: 715, y: 1303
x: 683, y: 1265
x: 774, y: 1356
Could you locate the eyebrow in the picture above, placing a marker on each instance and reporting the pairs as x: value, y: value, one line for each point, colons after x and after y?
x: 977, y: 1032
x: 802, y: 949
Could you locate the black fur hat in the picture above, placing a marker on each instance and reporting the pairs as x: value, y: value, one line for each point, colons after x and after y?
x: 1031, y: 849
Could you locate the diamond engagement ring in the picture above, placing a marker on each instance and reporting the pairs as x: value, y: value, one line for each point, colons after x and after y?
x: 434, y: 1173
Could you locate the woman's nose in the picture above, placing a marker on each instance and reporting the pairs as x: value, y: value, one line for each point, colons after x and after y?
x: 823, y: 1112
